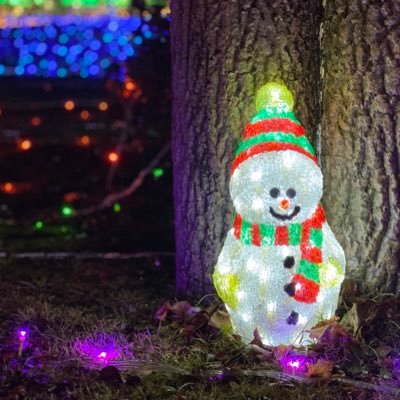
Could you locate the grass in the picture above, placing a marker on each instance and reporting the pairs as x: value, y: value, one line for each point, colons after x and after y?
x: 68, y: 306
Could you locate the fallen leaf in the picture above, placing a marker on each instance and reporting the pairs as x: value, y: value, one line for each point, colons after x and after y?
x: 221, y: 320
x: 257, y: 341
x: 198, y: 321
x: 321, y: 369
x: 383, y: 350
x: 331, y: 334
x: 280, y: 351
x: 362, y: 312
x: 183, y: 311
x: 162, y: 313
x: 349, y: 291
x: 317, y: 331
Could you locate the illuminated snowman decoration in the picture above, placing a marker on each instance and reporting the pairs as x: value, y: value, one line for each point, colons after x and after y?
x: 281, y: 267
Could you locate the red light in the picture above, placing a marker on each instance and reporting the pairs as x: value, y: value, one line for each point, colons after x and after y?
x: 130, y: 86
x: 25, y: 144
x: 85, y: 115
x: 36, y: 121
x: 71, y: 197
x: 84, y: 140
x: 8, y: 187
x: 113, y: 157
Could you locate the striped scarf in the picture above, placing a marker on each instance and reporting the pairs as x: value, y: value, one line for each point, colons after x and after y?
x: 307, y: 235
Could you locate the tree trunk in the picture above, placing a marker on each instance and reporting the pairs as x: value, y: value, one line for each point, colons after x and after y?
x: 222, y: 51
x: 361, y: 135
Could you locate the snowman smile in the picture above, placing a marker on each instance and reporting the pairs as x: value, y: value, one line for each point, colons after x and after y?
x: 284, y: 217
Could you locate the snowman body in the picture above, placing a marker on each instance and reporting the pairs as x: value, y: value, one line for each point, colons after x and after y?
x: 276, y: 195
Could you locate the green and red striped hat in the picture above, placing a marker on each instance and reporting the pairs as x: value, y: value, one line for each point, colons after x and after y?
x: 274, y: 127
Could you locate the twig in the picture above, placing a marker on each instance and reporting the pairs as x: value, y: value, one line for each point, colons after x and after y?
x: 121, y: 141
x: 135, y: 185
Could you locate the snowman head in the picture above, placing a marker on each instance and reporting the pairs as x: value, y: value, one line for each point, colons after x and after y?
x: 275, y: 177
x: 277, y: 188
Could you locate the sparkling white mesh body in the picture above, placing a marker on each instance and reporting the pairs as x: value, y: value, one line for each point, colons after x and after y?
x: 275, y: 188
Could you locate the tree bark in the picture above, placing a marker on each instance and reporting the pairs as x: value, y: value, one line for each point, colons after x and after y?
x: 222, y: 51
x: 361, y: 135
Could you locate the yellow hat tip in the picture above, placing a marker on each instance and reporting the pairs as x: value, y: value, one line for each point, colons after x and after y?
x: 274, y: 94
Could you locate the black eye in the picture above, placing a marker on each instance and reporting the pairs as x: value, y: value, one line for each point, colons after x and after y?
x: 274, y: 192
x: 291, y: 193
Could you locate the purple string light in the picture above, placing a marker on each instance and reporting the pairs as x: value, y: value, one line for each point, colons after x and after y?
x: 295, y: 363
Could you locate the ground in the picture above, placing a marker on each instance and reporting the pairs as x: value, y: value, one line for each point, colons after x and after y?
x: 69, y: 307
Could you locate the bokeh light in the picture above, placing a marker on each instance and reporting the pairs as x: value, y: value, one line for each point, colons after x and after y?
x: 85, y: 115
x: 103, y: 106
x: 25, y: 144
x: 8, y: 188
x: 67, y: 211
x: 36, y: 121
x: 84, y: 141
x: 39, y: 225
x: 69, y: 105
x: 158, y: 172
x: 113, y: 157
x: 59, y: 46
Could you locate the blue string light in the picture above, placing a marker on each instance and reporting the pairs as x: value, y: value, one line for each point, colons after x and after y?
x: 70, y: 45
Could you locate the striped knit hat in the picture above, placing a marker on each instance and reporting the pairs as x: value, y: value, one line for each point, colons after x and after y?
x: 274, y: 127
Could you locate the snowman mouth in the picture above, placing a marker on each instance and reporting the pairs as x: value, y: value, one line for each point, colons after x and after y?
x: 285, y: 217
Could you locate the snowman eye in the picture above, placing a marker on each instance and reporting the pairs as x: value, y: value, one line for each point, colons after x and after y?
x: 274, y: 192
x: 291, y: 193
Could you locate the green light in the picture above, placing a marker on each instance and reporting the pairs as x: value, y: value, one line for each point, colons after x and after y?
x: 117, y: 207
x: 158, y: 172
x: 39, y: 225
x: 67, y: 211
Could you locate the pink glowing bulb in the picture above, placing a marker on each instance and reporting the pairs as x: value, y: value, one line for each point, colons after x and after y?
x: 294, y: 364
x: 22, y: 335
x: 103, y: 356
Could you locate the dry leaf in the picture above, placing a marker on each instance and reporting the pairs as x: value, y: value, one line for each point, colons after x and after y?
x: 317, y: 331
x: 383, y: 350
x: 331, y: 333
x: 362, y: 312
x: 321, y: 369
x: 221, y: 320
x: 281, y: 351
x: 198, y: 321
x: 183, y: 311
x: 349, y: 291
x: 257, y: 341
x: 162, y: 313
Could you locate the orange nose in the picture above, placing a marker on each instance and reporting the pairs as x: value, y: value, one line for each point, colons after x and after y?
x: 284, y: 204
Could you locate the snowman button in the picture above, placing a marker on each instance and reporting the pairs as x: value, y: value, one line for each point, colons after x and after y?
x: 288, y: 262
x: 293, y: 318
x: 290, y: 288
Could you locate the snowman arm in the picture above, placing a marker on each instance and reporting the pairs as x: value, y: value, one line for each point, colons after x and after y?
x: 225, y: 277
x: 332, y: 269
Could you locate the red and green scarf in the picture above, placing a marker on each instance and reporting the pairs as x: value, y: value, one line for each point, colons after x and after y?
x: 307, y: 235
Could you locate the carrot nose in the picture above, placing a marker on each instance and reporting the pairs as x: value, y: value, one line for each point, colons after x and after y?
x: 284, y: 204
